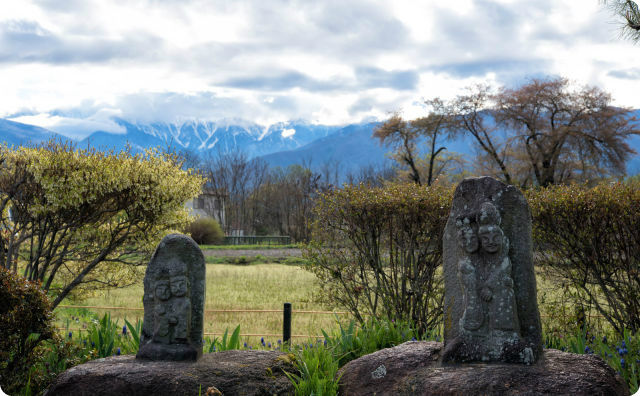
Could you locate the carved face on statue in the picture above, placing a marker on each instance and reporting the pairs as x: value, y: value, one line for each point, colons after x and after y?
x: 467, y: 238
x: 179, y: 285
x: 491, y: 238
x: 163, y: 293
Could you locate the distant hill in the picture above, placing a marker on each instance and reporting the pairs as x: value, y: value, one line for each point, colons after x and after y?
x: 18, y: 134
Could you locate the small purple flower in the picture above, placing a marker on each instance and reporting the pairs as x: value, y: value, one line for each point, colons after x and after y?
x: 269, y: 345
x: 587, y: 349
x: 93, y: 344
x: 245, y: 344
x: 250, y: 347
x: 84, y: 342
x: 124, y: 330
x: 604, y: 339
x: 622, y: 362
x: 624, y: 344
x: 262, y: 341
x: 70, y: 334
x: 118, y: 352
x: 279, y: 342
x: 325, y: 342
x: 413, y: 339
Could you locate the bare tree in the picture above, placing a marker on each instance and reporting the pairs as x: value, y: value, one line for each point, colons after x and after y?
x: 566, y: 134
x: 472, y: 114
x: 404, y: 136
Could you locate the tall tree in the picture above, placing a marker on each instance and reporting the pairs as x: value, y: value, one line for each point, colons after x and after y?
x: 403, y: 136
x: 566, y: 133
x: 472, y: 114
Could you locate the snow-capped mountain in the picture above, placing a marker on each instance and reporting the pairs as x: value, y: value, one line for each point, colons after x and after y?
x: 217, y: 136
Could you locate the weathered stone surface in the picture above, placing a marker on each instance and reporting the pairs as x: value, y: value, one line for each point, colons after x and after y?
x: 174, y: 292
x: 413, y: 368
x: 490, y: 308
x: 231, y: 372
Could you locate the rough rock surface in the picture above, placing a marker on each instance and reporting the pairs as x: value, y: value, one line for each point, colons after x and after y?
x: 413, y: 368
x: 490, y: 294
x: 231, y: 372
x: 174, y: 295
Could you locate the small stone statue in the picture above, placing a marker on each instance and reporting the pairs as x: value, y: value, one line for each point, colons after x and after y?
x: 174, y: 291
x: 489, y: 316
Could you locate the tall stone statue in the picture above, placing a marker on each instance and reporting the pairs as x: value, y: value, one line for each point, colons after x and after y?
x: 174, y: 292
x: 490, y: 309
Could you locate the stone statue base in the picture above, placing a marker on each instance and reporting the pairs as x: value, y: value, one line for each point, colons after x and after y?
x: 415, y: 368
x: 228, y: 373
x: 174, y: 352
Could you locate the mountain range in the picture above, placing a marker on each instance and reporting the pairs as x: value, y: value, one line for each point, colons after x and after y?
x: 281, y: 144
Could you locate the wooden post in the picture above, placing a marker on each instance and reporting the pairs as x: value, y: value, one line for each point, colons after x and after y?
x: 286, y: 326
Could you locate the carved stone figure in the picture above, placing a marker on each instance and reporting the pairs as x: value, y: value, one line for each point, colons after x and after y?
x: 473, y: 316
x: 490, y: 310
x: 174, y: 291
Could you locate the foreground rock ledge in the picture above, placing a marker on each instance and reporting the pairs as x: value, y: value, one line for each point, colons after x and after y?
x: 231, y: 372
x: 413, y: 369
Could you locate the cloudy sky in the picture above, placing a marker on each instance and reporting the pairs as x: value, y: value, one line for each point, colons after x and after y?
x: 72, y: 65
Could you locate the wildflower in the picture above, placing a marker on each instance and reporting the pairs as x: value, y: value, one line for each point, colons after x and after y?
x: 279, y: 342
x: 413, y: 339
x: 262, y: 341
x: 245, y: 344
x: 250, y: 347
x: 622, y: 362
x: 93, y: 344
x: 604, y: 339
x: 325, y: 342
x: 118, y: 351
x: 124, y: 330
x: 624, y: 344
x: 84, y: 342
x: 70, y: 334
x: 587, y: 349
x: 269, y: 345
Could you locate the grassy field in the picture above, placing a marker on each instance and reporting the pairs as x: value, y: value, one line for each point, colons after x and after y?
x: 258, y: 286
x: 266, y: 286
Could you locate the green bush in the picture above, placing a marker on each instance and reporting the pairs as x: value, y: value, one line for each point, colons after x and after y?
x: 589, y: 240
x: 206, y: 231
x: 25, y: 321
x: 377, y: 251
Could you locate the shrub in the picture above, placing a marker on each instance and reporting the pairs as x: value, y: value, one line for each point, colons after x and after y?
x: 590, y: 240
x: 25, y: 321
x: 377, y: 251
x: 206, y: 231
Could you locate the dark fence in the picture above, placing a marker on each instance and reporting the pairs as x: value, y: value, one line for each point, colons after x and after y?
x: 257, y: 240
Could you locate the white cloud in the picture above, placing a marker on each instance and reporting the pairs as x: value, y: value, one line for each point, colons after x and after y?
x: 288, y: 132
x: 329, y: 62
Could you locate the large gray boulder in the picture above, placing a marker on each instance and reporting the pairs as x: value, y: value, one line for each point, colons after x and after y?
x: 414, y: 368
x: 230, y: 372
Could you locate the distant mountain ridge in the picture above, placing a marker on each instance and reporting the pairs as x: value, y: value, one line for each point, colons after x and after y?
x: 281, y: 144
x: 218, y: 136
x: 18, y: 134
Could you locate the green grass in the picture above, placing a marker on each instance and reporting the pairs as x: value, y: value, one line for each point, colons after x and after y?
x: 257, y: 286
x: 257, y: 259
x: 250, y: 247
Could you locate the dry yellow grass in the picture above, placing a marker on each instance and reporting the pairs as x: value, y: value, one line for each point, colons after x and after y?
x: 259, y: 287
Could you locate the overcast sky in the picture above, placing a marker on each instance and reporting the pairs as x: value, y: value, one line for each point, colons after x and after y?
x: 71, y: 65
